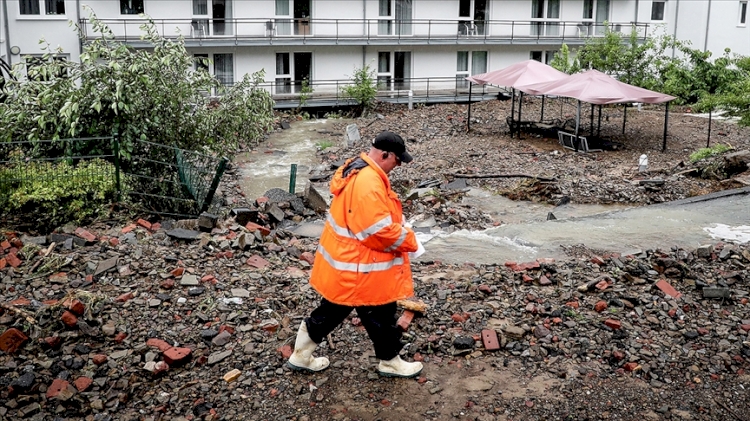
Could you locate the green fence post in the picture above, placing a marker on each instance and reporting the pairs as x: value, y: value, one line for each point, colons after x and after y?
x: 293, y: 178
x: 116, y: 150
x: 214, y: 184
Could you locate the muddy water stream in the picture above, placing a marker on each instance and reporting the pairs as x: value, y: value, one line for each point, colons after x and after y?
x: 526, y: 234
x: 269, y: 166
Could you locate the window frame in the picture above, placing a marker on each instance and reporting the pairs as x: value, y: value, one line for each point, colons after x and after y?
x: 461, y: 82
x: 546, y: 25
x: 283, y: 79
x: 29, y: 58
x: 42, y: 9
x: 123, y: 10
x: 654, y: 10
x: 743, y: 14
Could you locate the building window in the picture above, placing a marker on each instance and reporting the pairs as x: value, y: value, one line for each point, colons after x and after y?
x: 394, y: 70
x: 224, y: 68
x: 469, y: 63
x: 743, y: 13
x: 394, y: 15
x: 545, y: 15
x: 657, y: 10
x: 29, y: 7
x: 542, y: 56
x: 51, y: 7
x: 201, y: 62
x: 283, y: 74
x: 384, y: 71
x: 131, y: 7
x: 588, y: 9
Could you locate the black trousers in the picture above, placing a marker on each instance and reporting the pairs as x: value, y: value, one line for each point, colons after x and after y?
x: 379, y: 321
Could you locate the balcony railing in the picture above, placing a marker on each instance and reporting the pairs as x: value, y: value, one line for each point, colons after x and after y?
x: 367, y: 31
x: 423, y: 90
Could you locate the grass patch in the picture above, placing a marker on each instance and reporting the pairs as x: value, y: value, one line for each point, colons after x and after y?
x: 704, y: 153
x: 325, y: 144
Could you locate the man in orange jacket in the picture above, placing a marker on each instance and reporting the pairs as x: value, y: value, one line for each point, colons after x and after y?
x: 362, y: 261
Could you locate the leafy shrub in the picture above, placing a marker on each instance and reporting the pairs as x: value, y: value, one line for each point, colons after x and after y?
x: 363, y: 88
x: 56, y: 193
x: 325, y: 144
x: 704, y: 153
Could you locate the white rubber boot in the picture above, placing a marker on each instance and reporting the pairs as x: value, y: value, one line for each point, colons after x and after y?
x: 397, y: 367
x: 302, y: 358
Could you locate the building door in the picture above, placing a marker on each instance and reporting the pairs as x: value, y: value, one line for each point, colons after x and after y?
x: 394, y: 17
x: 602, y: 15
x: 302, y: 16
x: 302, y: 70
x: 545, y: 16
x: 402, y: 70
x: 212, y: 17
x: 472, y: 15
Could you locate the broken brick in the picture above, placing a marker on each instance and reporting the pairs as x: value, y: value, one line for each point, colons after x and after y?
x: 77, y: 307
x: 69, y: 319
x: 128, y: 228
x: 257, y: 262
x: 668, y: 289
x: 600, y: 306
x: 286, y: 351
x: 13, y: 260
x: 489, y: 339
x: 177, y: 356
x: 11, y: 340
x: 405, y: 320
x: 631, y: 366
x: 144, y: 223
x: 613, y: 324
x: 82, y: 383
x: 252, y: 226
x: 3, y: 263
x: 307, y: 257
x: 99, y: 359
x: 158, y: 344
x: 124, y: 297
x: 82, y: 233
x: 56, y: 388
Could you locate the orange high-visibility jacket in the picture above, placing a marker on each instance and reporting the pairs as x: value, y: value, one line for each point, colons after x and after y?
x: 362, y: 257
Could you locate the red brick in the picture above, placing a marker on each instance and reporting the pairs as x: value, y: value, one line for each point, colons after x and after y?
x: 5, y: 245
x: 158, y: 344
x: 619, y: 356
x: 489, y: 339
x: 3, y: 263
x: 16, y: 242
x: 252, y: 226
x: 20, y: 302
x: 128, y: 228
x: 308, y: 257
x: 82, y: 383
x: 261, y: 200
x: 600, y: 306
x: 177, y: 356
x: 99, y: 359
x: 114, y: 242
x: 13, y: 260
x: 286, y: 351
x: 613, y: 324
x: 602, y: 285
x: 597, y: 260
x: 459, y: 318
x: 57, y: 386
x: 155, y: 227
x: 405, y: 320
x: 208, y: 278
x: 52, y: 341
x: 257, y: 262
x: 59, y: 277
x: 120, y: 337
x: 167, y: 284
x: 702, y: 331
x: 69, y: 319
x: 630, y: 366
x: 77, y: 307
x: 544, y: 281
x: 80, y: 232
x: 144, y: 223
x: 124, y: 297
x: 11, y: 340
x: 226, y: 328
x: 572, y: 304
x: 668, y: 289
x: 177, y: 272
x: 485, y: 289
x: 745, y: 327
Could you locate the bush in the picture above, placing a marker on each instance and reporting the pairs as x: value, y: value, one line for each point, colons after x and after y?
x: 56, y: 193
x: 363, y: 88
x: 704, y: 153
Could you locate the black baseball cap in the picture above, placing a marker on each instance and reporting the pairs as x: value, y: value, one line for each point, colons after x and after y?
x: 391, y: 142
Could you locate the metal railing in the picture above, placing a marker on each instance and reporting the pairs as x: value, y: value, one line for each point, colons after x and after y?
x: 390, y: 89
x: 157, y: 178
x: 375, y: 31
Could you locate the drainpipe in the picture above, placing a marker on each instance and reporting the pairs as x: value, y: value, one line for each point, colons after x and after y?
x: 364, y: 31
x: 78, y: 21
x: 708, y: 20
x: 636, y: 13
x: 676, y: 17
x: 7, y: 31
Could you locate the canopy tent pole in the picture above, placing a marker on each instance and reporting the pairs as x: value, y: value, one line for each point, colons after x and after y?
x: 541, y: 119
x: 624, y: 116
x: 468, y: 120
x: 599, y: 124
x: 512, y: 109
x: 591, y: 127
x: 708, y: 141
x: 578, y: 123
x: 666, y: 123
x: 520, y: 103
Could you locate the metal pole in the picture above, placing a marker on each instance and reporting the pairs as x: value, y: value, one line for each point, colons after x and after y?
x: 512, y: 109
x: 520, y: 104
x: 599, y: 124
x: 116, y: 150
x: 708, y: 141
x: 542, y: 116
x: 624, y: 116
x: 578, y: 123
x: 591, y: 127
x: 293, y: 178
x: 214, y: 184
x: 666, y: 124
x: 468, y: 120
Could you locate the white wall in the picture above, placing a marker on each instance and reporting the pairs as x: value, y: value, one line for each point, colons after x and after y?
x: 27, y: 30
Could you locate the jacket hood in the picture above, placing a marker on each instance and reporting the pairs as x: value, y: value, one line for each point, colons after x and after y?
x: 347, y: 172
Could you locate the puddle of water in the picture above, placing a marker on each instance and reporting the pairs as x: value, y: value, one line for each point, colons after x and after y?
x: 269, y: 166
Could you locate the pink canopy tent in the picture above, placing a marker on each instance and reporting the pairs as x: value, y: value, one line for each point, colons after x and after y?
x: 523, y: 73
x: 595, y: 87
x: 599, y: 88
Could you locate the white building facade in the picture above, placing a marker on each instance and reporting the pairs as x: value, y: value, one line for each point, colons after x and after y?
x: 408, y: 43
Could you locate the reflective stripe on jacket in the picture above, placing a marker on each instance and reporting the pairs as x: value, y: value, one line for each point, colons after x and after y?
x: 361, y: 259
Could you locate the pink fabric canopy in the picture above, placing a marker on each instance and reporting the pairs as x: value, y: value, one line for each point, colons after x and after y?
x: 595, y: 87
x: 523, y: 73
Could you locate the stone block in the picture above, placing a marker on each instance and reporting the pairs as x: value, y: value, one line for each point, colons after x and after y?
x: 716, y: 292
x: 207, y: 221
x: 314, y: 199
